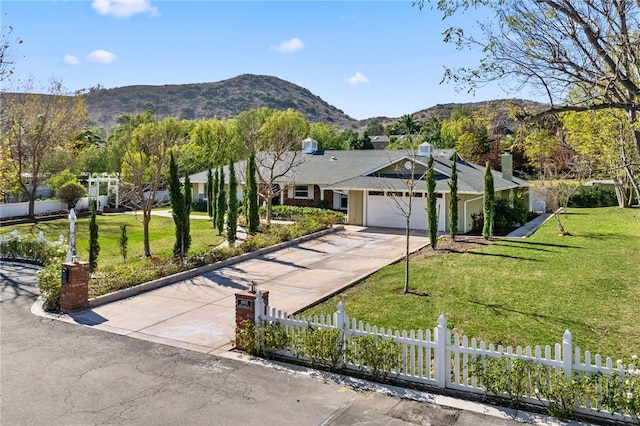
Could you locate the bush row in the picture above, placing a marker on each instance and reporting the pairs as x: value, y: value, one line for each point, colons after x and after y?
x: 593, y: 197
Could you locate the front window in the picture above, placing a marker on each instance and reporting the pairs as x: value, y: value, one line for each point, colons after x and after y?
x: 301, y: 191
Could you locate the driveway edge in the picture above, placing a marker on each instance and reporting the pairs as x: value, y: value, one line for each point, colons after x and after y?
x: 161, y: 282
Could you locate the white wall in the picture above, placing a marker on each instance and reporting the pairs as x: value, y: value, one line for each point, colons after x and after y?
x: 48, y: 206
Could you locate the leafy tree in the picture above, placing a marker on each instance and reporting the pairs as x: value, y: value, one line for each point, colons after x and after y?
x: 70, y: 193
x: 123, y: 242
x: 33, y: 128
x: 374, y: 127
x: 253, y: 217
x: 94, y: 245
x: 121, y: 136
x: 144, y: 164
x: 453, y: 201
x: 488, y: 203
x: 328, y: 136
x: 432, y: 133
x: 62, y: 178
x: 221, y: 202
x: 470, y: 136
x: 432, y: 214
x: 556, y: 46
x: 211, y: 143
x: 232, y: 209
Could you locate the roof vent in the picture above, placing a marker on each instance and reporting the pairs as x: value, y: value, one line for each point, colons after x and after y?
x: 333, y: 158
x: 309, y: 146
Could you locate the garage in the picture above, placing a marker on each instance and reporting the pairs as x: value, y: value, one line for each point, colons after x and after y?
x: 384, y: 211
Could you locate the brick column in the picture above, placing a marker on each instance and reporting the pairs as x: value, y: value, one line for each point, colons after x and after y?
x: 246, y: 306
x: 74, y: 292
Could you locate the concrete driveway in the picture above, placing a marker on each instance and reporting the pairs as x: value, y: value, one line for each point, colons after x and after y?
x: 199, y: 313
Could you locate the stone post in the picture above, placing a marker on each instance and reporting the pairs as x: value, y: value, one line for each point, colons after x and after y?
x: 74, y: 292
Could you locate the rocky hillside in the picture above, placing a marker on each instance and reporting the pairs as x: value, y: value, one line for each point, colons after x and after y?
x: 224, y: 99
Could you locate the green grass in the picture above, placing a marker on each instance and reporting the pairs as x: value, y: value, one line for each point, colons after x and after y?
x: 524, y: 292
x: 161, y: 236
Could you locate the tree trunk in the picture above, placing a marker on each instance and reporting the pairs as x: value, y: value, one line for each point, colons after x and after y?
x: 406, y: 256
x: 146, y: 218
x: 32, y: 200
x: 269, y: 207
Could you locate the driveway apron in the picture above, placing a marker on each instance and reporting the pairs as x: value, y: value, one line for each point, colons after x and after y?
x: 199, y: 313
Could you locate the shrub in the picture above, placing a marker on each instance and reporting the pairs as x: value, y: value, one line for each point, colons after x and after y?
x: 200, y: 206
x: 49, y: 284
x: 70, y: 193
x: 593, y: 197
x: 378, y: 357
x: 262, y: 339
x: 323, y: 347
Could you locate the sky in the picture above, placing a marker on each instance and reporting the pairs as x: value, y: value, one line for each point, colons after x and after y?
x: 367, y: 58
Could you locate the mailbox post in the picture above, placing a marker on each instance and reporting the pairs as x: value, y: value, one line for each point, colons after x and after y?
x: 246, y: 308
x: 74, y: 292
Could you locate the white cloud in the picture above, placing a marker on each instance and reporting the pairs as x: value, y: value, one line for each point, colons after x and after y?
x: 70, y: 60
x: 124, y: 8
x: 289, y: 46
x: 357, y: 78
x: 101, y: 56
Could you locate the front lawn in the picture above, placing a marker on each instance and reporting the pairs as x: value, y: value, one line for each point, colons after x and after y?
x: 161, y: 236
x: 522, y: 292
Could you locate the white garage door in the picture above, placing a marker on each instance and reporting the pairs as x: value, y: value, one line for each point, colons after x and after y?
x: 383, y: 211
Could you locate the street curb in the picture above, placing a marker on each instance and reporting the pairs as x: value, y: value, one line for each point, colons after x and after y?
x: 161, y: 282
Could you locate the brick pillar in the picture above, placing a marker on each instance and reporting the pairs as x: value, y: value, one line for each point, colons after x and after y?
x: 74, y: 292
x: 246, y: 306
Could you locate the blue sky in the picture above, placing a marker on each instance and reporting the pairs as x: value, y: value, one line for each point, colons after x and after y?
x: 368, y: 58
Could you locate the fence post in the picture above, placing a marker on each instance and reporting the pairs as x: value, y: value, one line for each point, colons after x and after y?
x: 567, y: 353
x: 441, y: 364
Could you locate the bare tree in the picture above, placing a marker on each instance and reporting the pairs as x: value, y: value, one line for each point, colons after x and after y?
x: 588, y: 47
x: 7, y: 51
x: 280, y: 153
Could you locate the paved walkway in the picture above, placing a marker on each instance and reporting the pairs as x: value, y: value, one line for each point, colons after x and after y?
x: 199, y: 313
x: 530, y: 227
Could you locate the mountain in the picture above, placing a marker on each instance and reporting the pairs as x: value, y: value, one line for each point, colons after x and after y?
x: 224, y: 99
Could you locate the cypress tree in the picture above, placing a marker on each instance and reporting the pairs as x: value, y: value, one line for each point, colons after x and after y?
x: 210, y: 193
x: 123, y: 242
x: 94, y: 245
x: 488, y: 203
x: 431, y: 205
x: 232, y: 209
x: 214, y: 199
x: 221, y: 202
x: 177, y: 205
x: 253, y: 215
x: 186, y: 226
x: 453, y: 201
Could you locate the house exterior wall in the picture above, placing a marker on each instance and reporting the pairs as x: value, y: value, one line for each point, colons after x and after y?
x: 355, y: 208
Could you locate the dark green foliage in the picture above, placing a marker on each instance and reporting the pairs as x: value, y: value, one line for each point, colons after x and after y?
x: 593, y: 197
x: 214, y: 198
x: 70, y: 193
x: 221, y: 202
x: 123, y: 242
x: 432, y: 215
x: 453, y: 201
x: 181, y: 208
x: 252, y: 214
x: 232, y: 206
x: 94, y: 245
x: 209, y: 193
x: 199, y: 206
x: 187, y: 213
x: 488, y: 203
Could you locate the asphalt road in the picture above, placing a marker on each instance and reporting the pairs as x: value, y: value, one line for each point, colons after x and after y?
x: 56, y: 373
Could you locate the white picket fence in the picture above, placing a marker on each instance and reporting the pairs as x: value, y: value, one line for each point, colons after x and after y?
x: 443, y: 359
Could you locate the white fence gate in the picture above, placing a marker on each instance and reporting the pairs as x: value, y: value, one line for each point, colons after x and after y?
x: 439, y: 358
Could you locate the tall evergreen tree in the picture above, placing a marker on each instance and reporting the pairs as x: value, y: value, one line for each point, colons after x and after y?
x: 221, y: 202
x: 214, y: 198
x: 253, y: 215
x: 210, y: 193
x: 488, y: 203
x: 181, y: 208
x: 453, y: 201
x: 186, y: 225
x: 232, y: 209
x: 94, y: 245
x: 432, y: 215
